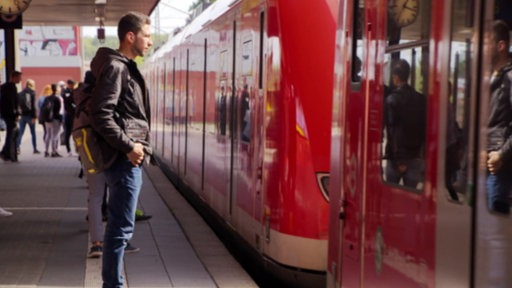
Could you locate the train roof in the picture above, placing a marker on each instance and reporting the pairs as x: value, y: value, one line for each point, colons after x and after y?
x: 210, y: 14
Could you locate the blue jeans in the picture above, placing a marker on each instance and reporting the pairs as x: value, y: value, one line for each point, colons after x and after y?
x: 24, y: 120
x: 124, y: 181
x: 498, y: 188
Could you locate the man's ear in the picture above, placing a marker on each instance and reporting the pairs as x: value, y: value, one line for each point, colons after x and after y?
x: 130, y: 36
x: 502, y: 46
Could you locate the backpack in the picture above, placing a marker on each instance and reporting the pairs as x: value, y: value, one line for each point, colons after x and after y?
x: 46, y: 113
x: 25, y: 102
x: 92, y: 149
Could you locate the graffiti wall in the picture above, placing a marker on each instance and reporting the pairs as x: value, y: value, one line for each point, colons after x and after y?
x: 48, y: 41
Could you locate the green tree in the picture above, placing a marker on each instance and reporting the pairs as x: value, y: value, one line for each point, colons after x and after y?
x: 91, y: 45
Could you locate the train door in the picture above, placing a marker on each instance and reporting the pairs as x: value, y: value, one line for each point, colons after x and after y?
x: 245, y: 145
x: 222, y: 200
x: 492, y: 257
x: 179, y: 98
x: 170, y: 150
x: 346, y: 148
x: 438, y: 227
x: 182, y: 99
x: 399, y: 146
x: 159, y: 109
x: 387, y: 202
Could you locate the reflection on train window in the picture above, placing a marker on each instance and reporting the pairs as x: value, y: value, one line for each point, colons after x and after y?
x: 245, y: 114
x: 357, y: 45
x: 246, y: 58
x: 458, y: 103
x: 222, y: 110
x: 405, y: 94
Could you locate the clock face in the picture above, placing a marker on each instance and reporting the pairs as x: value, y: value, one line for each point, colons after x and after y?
x: 404, y: 12
x: 13, y: 7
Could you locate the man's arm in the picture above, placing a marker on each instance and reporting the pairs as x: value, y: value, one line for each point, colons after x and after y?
x: 496, y: 158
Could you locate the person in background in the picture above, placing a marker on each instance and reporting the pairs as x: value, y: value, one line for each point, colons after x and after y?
x: 69, y: 113
x: 52, y: 124
x: 97, y: 194
x: 26, y: 100
x: 9, y: 110
x: 47, y: 91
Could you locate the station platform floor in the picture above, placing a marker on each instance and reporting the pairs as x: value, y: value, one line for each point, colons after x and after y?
x: 45, y: 242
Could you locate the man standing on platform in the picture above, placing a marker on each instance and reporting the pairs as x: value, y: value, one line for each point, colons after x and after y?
x: 27, y: 102
x: 120, y: 114
x: 9, y: 110
x: 69, y: 113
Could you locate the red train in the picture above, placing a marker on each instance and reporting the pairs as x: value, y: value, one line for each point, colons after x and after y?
x: 246, y: 123
x: 437, y: 231
x: 241, y: 122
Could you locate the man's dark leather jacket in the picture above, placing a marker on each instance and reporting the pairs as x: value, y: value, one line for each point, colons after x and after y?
x: 500, y: 113
x: 405, y: 123
x: 119, y: 107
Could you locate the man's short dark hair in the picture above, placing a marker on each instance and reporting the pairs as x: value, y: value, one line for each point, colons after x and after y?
x: 501, y: 31
x: 54, y: 88
x: 131, y: 22
x: 402, y: 69
x: 15, y: 73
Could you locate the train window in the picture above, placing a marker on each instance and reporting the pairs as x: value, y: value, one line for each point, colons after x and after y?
x: 243, y: 97
x: 405, y: 93
x: 247, y: 58
x: 458, y: 101
x: 357, y: 44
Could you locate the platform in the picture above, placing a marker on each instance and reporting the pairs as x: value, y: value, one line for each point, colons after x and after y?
x: 45, y: 242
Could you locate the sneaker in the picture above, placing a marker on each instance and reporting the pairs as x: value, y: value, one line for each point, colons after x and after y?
x: 4, y: 213
x: 55, y: 154
x: 96, y: 251
x: 37, y: 152
x: 130, y: 249
x: 140, y: 216
x: 46, y: 154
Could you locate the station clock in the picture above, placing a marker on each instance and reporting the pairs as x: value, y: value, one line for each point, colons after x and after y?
x: 13, y: 7
x: 404, y: 12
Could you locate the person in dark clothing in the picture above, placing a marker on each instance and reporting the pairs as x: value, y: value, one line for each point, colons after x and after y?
x: 223, y: 111
x: 245, y: 117
x: 406, y: 128
x: 27, y: 102
x: 52, y: 123
x: 69, y: 113
x: 120, y: 114
x: 499, y: 134
x: 9, y: 110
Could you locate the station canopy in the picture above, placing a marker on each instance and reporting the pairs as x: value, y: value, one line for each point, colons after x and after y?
x: 82, y: 12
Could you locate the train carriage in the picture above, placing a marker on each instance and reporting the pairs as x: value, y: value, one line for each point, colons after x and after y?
x: 437, y: 231
x: 239, y: 130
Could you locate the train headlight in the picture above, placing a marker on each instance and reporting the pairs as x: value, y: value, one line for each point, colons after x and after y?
x: 323, y: 183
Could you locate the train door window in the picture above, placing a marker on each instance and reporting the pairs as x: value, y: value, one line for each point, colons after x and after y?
x: 247, y: 84
x: 457, y: 124
x: 405, y: 93
x: 222, y: 102
x: 357, y: 44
